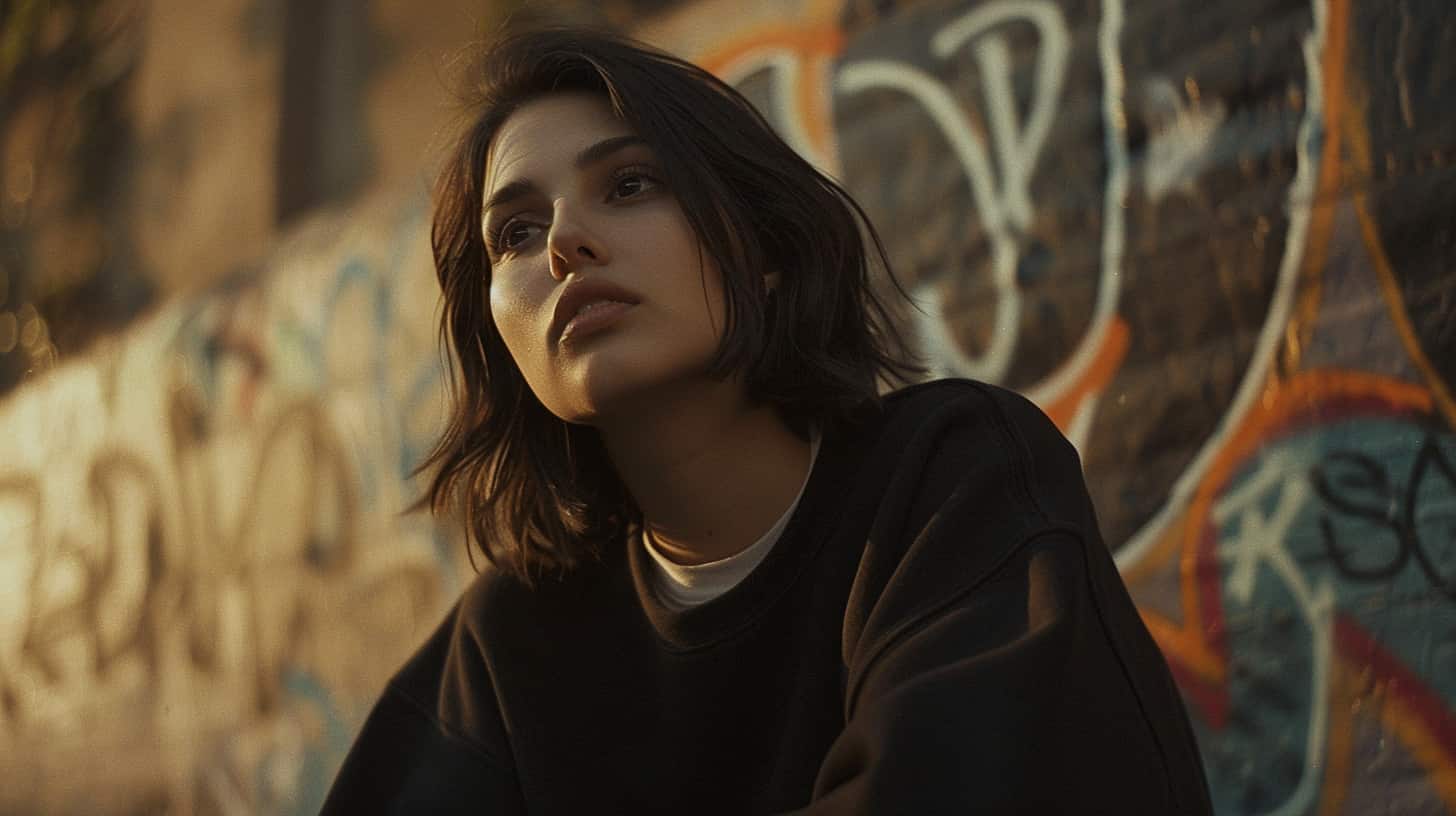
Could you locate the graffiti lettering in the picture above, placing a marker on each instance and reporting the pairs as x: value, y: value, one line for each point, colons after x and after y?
x: 1359, y: 488
x: 118, y: 596
x: 1003, y: 200
x: 1260, y: 538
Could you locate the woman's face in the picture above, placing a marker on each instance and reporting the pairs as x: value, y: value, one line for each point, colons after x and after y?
x: 598, y: 286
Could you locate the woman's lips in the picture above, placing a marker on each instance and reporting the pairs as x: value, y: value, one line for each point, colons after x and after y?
x: 593, y: 318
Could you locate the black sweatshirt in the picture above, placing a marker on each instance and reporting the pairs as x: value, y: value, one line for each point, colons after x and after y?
x: 939, y: 630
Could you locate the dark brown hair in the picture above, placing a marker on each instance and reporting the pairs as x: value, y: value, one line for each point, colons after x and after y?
x: 538, y: 494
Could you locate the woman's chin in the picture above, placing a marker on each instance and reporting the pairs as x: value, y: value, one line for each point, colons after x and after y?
x: 597, y: 389
x: 619, y: 375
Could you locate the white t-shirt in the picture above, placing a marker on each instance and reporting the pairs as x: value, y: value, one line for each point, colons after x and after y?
x: 683, y: 586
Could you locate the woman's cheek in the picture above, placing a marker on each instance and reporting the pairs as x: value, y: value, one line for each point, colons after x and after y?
x: 519, y: 314
x: 511, y: 313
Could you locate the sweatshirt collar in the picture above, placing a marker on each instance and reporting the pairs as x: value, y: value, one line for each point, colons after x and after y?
x: 740, y: 607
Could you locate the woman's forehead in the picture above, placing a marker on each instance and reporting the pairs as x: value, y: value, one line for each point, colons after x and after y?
x: 552, y: 128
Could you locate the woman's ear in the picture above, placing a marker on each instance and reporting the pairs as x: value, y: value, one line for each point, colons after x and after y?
x: 770, y: 281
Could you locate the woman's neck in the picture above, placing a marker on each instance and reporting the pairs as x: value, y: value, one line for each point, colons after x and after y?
x: 710, y: 473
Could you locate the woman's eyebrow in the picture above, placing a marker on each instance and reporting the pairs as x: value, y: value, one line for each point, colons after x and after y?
x: 605, y: 148
x: 590, y: 155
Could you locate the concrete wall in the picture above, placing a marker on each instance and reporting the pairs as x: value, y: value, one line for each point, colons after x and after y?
x: 1212, y: 240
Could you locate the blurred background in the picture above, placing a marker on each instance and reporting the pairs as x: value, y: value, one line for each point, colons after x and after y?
x: 1213, y: 240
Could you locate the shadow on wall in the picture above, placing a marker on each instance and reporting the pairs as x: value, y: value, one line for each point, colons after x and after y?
x: 67, y: 256
x: 1212, y: 241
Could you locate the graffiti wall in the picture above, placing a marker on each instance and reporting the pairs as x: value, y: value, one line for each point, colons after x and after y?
x: 1212, y: 240
x: 208, y: 572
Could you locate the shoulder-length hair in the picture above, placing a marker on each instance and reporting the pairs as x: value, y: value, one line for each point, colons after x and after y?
x: 537, y: 494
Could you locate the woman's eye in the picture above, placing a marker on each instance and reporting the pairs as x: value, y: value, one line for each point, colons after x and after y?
x: 632, y: 185
x: 514, y: 234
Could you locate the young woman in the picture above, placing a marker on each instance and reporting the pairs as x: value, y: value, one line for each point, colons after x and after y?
x: 726, y: 575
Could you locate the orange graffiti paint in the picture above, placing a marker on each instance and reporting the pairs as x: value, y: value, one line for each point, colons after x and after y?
x: 1095, y: 379
x: 1195, y: 646
x: 814, y: 46
x: 1353, y: 123
x: 1409, y: 708
x: 1322, y: 213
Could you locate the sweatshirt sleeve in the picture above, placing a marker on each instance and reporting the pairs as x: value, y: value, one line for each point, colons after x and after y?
x: 995, y: 661
x: 435, y: 742
x: 406, y: 762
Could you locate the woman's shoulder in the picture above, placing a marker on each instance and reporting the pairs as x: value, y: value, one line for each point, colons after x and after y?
x: 493, y: 590
x: 970, y: 411
x: 497, y: 594
x: 982, y: 437
x: 497, y: 613
x: 963, y: 395
x: 460, y: 638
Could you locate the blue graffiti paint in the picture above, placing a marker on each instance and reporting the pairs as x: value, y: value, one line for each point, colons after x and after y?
x: 1373, y: 486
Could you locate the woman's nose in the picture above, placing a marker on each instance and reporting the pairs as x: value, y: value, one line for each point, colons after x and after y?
x: 571, y: 243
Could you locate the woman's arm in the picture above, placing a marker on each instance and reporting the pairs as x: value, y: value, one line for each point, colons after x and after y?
x: 1011, y: 698
x: 406, y: 762
x: 434, y: 742
x: 995, y: 661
